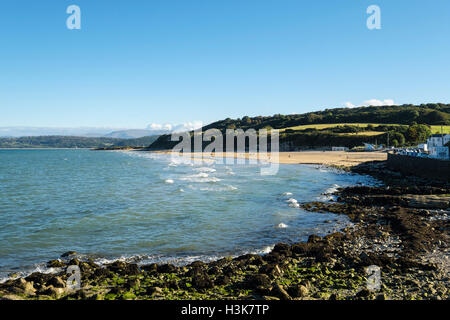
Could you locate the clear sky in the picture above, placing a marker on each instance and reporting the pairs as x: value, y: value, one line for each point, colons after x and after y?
x: 139, y: 62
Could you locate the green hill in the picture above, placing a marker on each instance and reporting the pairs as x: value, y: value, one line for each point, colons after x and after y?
x: 394, y: 125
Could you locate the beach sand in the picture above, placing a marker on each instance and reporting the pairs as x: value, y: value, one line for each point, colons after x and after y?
x: 331, y: 158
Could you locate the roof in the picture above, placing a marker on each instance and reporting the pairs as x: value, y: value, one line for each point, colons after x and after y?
x: 438, y: 135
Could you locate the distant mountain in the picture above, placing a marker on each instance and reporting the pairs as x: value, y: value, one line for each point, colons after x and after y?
x: 73, y: 142
x: 134, y: 133
x: 48, y: 131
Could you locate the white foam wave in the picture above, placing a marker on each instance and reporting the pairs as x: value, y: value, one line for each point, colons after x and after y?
x: 282, y: 226
x: 169, y: 181
x: 200, y: 178
x: 293, y: 203
x: 205, y: 169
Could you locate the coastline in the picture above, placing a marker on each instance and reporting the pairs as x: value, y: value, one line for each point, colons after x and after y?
x: 410, y: 247
x: 329, y: 158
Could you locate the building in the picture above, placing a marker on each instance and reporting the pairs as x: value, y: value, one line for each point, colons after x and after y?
x: 438, y: 140
x: 423, y: 147
x: 339, y: 149
x: 436, y: 145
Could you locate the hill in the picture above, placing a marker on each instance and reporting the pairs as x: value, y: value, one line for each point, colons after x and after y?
x: 394, y: 125
x: 73, y: 142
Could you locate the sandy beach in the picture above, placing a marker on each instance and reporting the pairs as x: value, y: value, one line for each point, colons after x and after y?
x: 333, y: 158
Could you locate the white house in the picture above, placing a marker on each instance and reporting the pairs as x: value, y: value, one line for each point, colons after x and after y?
x: 339, y: 149
x: 438, y: 140
x: 436, y: 145
x: 423, y: 147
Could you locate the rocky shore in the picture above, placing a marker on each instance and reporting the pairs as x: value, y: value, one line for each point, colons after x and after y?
x: 402, y: 227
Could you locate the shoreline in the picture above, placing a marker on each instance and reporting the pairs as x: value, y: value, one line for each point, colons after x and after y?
x: 329, y: 158
x: 410, y: 248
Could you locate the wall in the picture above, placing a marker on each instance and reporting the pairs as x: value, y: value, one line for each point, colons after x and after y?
x: 422, y: 167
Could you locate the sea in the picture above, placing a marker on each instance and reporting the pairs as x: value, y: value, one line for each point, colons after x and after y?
x: 146, y: 207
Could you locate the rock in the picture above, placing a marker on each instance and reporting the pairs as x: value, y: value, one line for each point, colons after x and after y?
x: 74, y: 262
x: 314, y: 239
x: 133, y: 283
x: 198, y: 264
x: 22, y: 286
x: 283, y: 249
x: 300, y: 248
x: 150, y: 268
x: 124, y: 268
x: 57, y: 282
x: 258, y: 280
x: 172, y: 284
x: 117, y: 290
x: 55, y: 264
x: 154, y: 291
x: 81, y: 294
x: 202, y: 281
x: 256, y: 260
x: 214, y: 270
x: 364, y: 293
x: 380, y: 297
x: 279, y: 291
x: 272, y: 270
x: 270, y: 298
x: 230, y: 270
x: 102, y: 272
x: 53, y: 292
x: 298, y: 291
x: 333, y: 297
x: 222, y: 280
x: 68, y: 254
x: 167, y: 268
x: 38, y: 278
x: 11, y: 297
x: 273, y: 257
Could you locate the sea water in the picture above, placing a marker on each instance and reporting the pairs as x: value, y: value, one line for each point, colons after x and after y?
x: 147, y: 207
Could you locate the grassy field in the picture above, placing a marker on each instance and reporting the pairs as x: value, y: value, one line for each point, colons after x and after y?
x: 332, y: 125
x: 437, y: 129
x: 434, y: 129
x: 364, y: 133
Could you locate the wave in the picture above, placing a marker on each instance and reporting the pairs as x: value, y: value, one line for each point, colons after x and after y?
x: 200, y: 178
x: 214, y: 188
x: 328, y: 194
x: 282, y: 226
x: 169, y: 181
x: 293, y: 203
x: 205, y: 169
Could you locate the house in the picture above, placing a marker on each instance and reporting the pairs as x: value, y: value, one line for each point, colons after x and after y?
x: 423, y: 147
x: 436, y: 145
x: 440, y: 152
x: 339, y: 149
x: 438, y: 140
x: 371, y: 147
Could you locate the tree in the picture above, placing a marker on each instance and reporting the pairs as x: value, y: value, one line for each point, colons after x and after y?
x: 398, y: 137
x: 417, y: 133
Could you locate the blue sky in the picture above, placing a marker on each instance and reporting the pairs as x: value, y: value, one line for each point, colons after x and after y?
x: 139, y: 62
